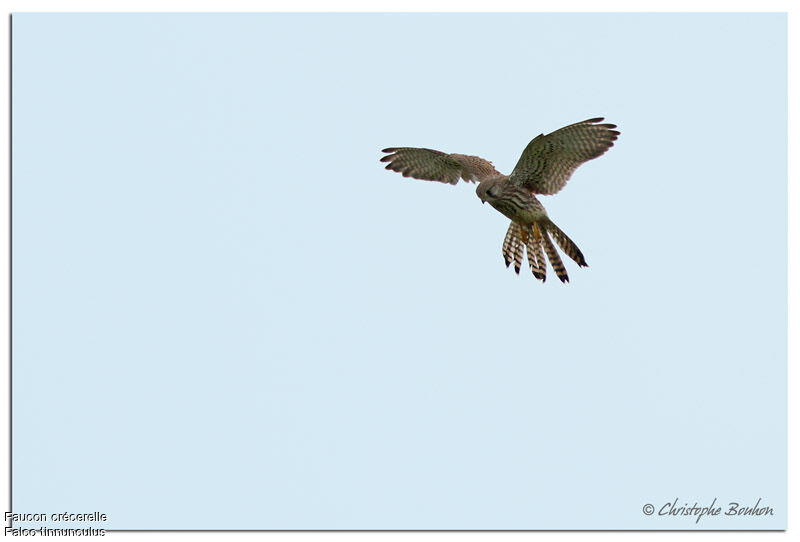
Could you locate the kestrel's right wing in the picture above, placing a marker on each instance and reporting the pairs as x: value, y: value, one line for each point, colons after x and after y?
x: 549, y: 160
x: 431, y: 165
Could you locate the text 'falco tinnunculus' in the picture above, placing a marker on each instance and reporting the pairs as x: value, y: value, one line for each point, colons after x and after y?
x: 545, y: 166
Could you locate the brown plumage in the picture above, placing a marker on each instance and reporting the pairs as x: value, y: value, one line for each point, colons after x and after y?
x: 546, y: 164
x: 535, y: 254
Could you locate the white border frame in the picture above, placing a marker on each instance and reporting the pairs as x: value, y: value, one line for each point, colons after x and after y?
x: 407, y: 6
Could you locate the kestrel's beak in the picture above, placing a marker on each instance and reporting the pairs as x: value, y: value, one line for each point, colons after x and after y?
x: 481, y: 193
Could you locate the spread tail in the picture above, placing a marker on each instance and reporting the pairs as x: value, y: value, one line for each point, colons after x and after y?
x: 536, y: 239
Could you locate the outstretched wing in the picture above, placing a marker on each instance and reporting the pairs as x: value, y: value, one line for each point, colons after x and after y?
x: 549, y: 160
x: 433, y: 165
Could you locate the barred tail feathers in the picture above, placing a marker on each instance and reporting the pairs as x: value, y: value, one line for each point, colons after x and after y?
x: 536, y: 241
x: 567, y: 245
x: 508, y: 255
x: 513, y: 247
x: 535, y: 255
x: 552, y: 255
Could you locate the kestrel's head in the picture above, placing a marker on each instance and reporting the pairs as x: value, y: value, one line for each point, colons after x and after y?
x: 490, y: 189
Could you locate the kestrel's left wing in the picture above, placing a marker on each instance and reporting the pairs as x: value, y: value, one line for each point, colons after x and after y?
x: 431, y: 165
x: 549, y: 160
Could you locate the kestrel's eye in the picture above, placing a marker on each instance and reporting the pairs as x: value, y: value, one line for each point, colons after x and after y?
x: 493, y: 191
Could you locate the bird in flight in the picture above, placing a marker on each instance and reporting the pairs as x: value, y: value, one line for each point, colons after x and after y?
x: 546, y: 164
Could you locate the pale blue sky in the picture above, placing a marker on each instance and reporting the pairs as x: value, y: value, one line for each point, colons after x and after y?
x: 228, y: 315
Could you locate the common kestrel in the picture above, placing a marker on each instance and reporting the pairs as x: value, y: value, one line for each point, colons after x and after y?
x: 546, y: 164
